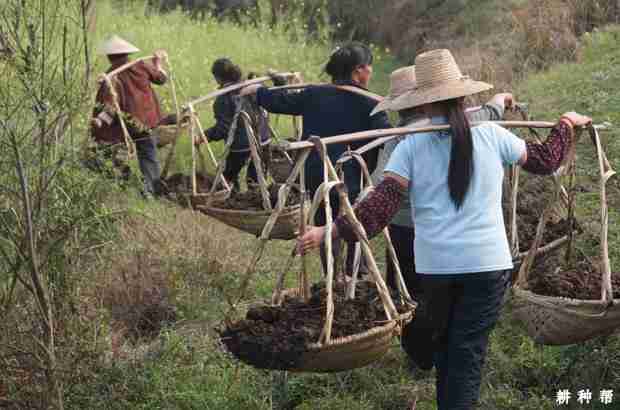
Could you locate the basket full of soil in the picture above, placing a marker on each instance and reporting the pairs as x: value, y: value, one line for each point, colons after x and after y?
x: 562, y: 304
x: 245, y: 210
x: 565, y: 297
x: 284, y: 337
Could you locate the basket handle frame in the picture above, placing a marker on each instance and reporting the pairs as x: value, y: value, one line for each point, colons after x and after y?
x: 330, y: 175
x: 606, y: 172
x: 367, y: 185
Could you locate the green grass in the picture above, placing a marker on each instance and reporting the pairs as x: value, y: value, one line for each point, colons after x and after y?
x: 188, y: 371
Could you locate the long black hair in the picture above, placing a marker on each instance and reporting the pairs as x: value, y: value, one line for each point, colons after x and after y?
x: 347, y: 58
x: 461, y: 155
x: 224, y: 70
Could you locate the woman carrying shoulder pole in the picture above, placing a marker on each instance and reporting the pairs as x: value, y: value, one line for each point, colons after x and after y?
x: 226, y: 73
x: 328, y: 111
x: 401, y: 226
x: 454, y: 182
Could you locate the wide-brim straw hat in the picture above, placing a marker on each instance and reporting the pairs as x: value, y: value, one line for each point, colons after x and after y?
x: 401, y: 81
x: 117, y: 45
x: 438, y: 78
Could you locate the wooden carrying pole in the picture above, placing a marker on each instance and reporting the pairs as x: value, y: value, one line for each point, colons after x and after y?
x: 395, y: 132
x: 349, y: 88
x: 128, y: 65
x: 235, y: 87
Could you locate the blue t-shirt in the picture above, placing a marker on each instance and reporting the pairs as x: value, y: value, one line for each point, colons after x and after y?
x: 472, y: 238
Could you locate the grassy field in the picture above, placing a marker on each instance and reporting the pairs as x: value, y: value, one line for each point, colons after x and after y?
x: 195, y: 263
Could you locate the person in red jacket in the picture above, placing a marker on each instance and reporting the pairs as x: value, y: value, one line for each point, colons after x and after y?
x: 140, y: 110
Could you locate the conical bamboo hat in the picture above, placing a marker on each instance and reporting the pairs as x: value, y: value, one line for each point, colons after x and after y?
x: 117, y: 45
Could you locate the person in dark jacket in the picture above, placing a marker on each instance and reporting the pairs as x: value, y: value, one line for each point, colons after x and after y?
x: 226, y: 73
x: 329, y: 111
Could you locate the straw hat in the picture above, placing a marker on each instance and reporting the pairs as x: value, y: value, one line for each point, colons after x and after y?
x: 116, y: 45
x: 438, y: 78
x: 401, y: 81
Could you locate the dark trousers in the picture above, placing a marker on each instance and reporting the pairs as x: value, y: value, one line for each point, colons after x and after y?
x: 235, y: 163
x: 453, y: 321
x: 146, y: 149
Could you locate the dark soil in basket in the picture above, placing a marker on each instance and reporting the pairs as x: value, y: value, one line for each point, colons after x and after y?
x: 534, y: 195
x: 275, y: 337
x: 582, y: 280
x: 178, y: 186
x: 252, y: 200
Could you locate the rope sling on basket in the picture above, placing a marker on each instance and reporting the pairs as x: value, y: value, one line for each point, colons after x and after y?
x: 326, y: 353
x: 220, y: 188
x: 282, y: 163
x: 559, y: 212
x: 254, y: 222
x: 558, y: 320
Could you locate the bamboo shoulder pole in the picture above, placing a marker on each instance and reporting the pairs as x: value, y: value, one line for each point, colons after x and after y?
x: 129, y: 65
x: 395, y: 132
x: 348, y: 88
x: 235, y: 87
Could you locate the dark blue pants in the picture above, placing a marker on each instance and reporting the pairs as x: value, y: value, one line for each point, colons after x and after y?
x: 146, y: 150
x: 455, y: 316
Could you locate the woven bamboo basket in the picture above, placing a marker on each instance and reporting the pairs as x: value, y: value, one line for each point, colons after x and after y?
x: 353, y: 351
x: 554, y: 320
x: 166, y: 134
x: 253, y: 222
x: 344, y: 353
x: 562, y: 321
